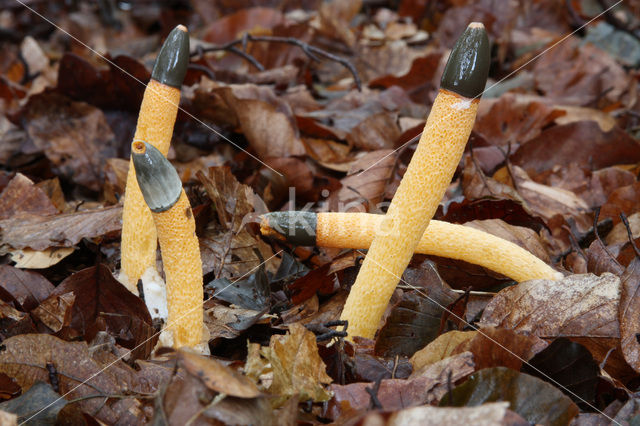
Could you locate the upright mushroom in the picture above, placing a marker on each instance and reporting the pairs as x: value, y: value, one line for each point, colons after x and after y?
x: 356, y: 230
x: 162, y: 191
x: 424, y: 183
x: 155, y: 126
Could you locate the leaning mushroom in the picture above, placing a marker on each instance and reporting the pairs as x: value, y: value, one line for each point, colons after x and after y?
x: 162, y: 191
x: 429, y: 173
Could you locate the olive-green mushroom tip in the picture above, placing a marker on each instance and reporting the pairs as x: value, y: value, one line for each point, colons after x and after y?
x: 157, y: 178
x: 295, y: 227
x: 173, y: 59
x: 468, y: 65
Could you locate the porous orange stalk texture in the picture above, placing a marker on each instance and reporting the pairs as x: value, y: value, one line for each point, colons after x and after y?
x: 356, y: 230
x: 155, y: 126
x: 183, y: 270
x: 412, y: 207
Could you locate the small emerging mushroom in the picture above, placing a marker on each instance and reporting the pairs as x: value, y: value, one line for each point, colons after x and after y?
x: 356, y: 231
x: 162, y: 191
x: 429, y: 173
x: 155, y: 126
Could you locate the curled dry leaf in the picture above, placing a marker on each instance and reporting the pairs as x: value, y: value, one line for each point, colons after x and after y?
x: 55, y: 312
x: 297, y: 366
x: 266, y: 121
x: 217, y: 376
x: 364, y: 186
x: 64, y: 230
x: 524, y: 237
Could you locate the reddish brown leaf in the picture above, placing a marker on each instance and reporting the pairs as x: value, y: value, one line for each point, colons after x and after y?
x: 101, y: 301
x: 26, y: 289
x: 55, y: 312
x: 395, y: 394
x: 22, y: 196
x: 582, y: 142
x: 629, y: 314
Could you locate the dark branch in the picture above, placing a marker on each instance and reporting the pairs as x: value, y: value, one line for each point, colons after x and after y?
x: 313, y: 52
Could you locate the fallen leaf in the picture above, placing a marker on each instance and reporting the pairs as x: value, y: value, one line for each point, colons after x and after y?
x: 25, y: 358
x: 439, y: 349
x: 490, y: 414
x: 625, y: 199
x: 535, y: 400
x: 413, y: 322
x: 629, y: 314
x: 569, y: 366
x: 514, y: 119
x: 25, y: 289
x: 73, y: 135
x: 64, y: 230
x: 500, y: 347
x: 34, y: 259
x: 582, y: 142
x: 217, y: 376
x: 102, y: 302
x: 524, y: 237
x: 22, y: 196
x: 27, y: 406
x: 232, y: 26
x: 297, y: 367
x: 364, y: 187
x: 14, y: 322
x: 395, y: 394
x: 55, y: 311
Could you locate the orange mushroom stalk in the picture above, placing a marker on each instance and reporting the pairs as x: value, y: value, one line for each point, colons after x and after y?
x: 155, y: 125
x: 444, y: 239
x: 162, y: 191
x: 429, y: 173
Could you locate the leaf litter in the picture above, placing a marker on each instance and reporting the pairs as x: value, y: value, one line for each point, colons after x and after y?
x: 553, y: 144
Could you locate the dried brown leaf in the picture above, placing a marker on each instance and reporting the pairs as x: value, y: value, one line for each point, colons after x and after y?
x: 64, y: 230
x: 55, y: 312
x: 395, y: 394
x: 439, y: 349
x: 25, y: 358
x: 22, y: 196
x: 75, y: 136
x: 217, y: 376
x: 25, y: 289
x: 629, y: 314
x: 501, y: 347
x: 490, y: 414
x: 297, y: 366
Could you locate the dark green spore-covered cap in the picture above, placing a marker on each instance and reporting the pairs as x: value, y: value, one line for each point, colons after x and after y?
x: 158, y: 180
x: 173, y: 59
x: 468, y: 65
x: 297, y: 227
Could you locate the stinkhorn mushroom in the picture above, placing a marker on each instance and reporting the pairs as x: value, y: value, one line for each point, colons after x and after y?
x: 444, y: 239
x: 424, y: 183
x: 155, y: 126
x: 162, y: 190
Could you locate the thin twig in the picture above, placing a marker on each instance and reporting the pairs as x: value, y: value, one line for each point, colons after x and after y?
x: 630, y: 234
x: 313, y: 52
